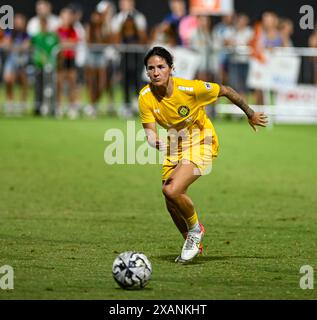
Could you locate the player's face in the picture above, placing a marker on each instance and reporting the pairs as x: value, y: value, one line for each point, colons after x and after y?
x: 158, y: 71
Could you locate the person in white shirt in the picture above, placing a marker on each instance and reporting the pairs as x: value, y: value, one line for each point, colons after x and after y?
x: 43, y: 10
x: 127, y: 8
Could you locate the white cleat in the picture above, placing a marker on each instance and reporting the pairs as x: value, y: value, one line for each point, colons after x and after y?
x: 179, y: 260
x: 191, y: 247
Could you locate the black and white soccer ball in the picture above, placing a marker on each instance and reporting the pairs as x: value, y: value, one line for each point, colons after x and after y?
x: 132, y: 270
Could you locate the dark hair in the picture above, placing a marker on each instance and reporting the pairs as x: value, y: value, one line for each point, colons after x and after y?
x: 75, y: 7
x: 161, y: 52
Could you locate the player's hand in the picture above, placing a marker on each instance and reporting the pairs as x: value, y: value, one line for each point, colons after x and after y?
x: 161, y: 146
x: 258, y: 119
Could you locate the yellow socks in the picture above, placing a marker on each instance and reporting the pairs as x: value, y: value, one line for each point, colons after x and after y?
x: 192, y: 221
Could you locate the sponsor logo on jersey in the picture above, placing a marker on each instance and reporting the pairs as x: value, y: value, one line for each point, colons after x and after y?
x: 190, y: 89
x: 183, y: 111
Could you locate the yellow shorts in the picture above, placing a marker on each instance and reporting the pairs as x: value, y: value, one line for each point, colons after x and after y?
x: 201, y: 156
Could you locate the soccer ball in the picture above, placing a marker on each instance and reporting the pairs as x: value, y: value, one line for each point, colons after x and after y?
x: 132, y: 270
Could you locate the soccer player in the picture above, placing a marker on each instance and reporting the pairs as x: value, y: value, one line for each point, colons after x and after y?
x: 178, y: 105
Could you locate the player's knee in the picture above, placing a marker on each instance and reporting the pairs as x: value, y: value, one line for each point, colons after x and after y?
x: 170, y: 191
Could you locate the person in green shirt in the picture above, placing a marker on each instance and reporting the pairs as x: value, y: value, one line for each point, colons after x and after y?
x: 45, y: 45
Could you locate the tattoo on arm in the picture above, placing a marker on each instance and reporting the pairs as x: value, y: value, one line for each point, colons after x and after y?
x: 236, y: 98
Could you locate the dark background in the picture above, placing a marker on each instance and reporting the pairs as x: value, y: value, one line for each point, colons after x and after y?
x: 155, y: 10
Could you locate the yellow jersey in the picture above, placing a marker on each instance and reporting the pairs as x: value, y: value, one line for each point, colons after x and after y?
x: 184, y: 110
x: 185, y: 107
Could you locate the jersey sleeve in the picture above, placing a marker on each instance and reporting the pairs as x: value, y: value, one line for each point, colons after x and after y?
x: 206, y: 92
x: 145, y: 111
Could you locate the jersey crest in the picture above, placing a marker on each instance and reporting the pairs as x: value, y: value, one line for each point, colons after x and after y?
x: 183, y: 111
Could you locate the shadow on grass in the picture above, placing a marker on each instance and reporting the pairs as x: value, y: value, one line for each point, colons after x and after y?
x: 207, y: 258
x: 134, y: 289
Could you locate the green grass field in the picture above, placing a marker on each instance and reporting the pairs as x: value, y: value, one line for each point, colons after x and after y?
x: 65, y: 214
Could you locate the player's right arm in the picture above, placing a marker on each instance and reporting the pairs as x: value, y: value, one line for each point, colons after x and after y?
x: 149, y: 122
x: 152, y: 136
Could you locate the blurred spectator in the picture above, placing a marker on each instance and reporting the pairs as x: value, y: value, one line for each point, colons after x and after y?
x: 80, y: 58
x: 81, y: 46
x: 164, y: 34
x: 96, y: 64
x: 286, y: 29
x: 271, y: 36
x: 43, y: 10
x: 223, y: 35
x: 2, y: 54
x: 16, y: 43
x: 131, y: 65
x: 67, y: 73
x: 312, y: 43
x: 45, y: 45
x: 112, y: 58
x: 202, y: 42
x: 187, y: 26
x: 129, y: 28
x: 239, y: 60
x: 178, y: 11
x: 1, y: 35
x: 266, y: 37
x: 127, y: 7
x: 107, y: 11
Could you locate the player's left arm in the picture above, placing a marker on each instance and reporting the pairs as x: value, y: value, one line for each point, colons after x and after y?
x: 254, y: 118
